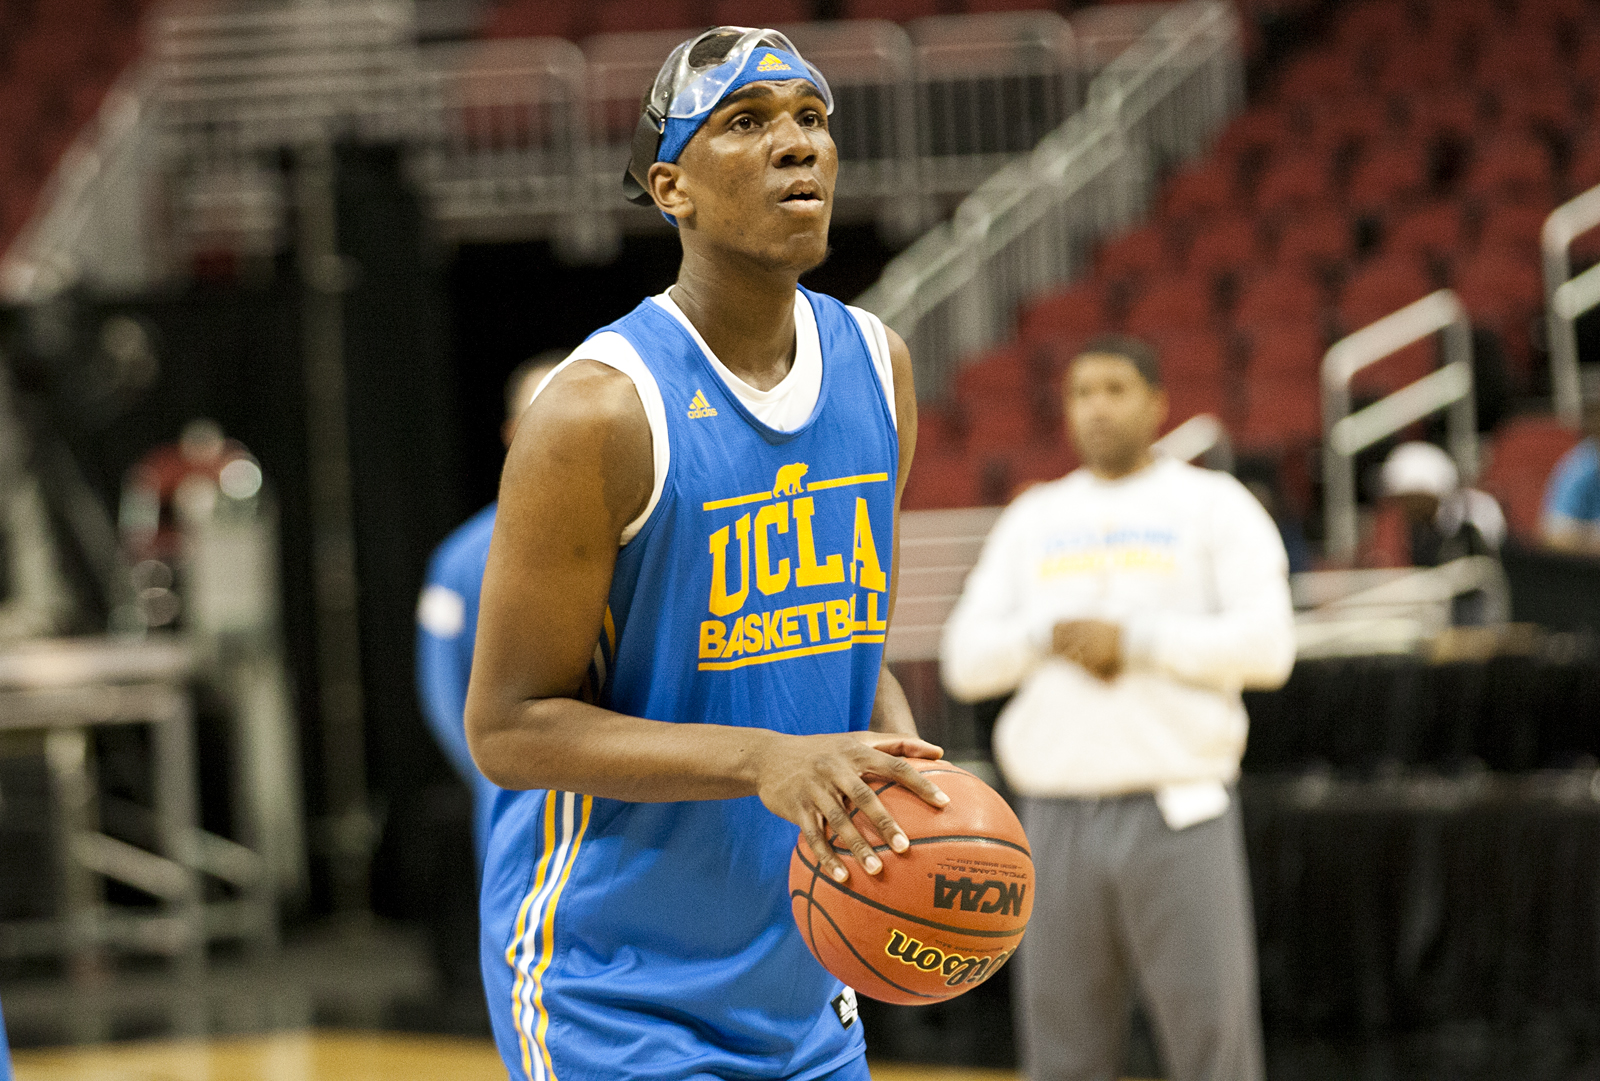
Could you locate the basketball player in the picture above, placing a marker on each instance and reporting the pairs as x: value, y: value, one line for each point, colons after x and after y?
x: 679, y: 663
x: 1127, y: 604
x: 447, y: 618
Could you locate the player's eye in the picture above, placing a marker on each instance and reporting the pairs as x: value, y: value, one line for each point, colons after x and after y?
x: 743, y: 122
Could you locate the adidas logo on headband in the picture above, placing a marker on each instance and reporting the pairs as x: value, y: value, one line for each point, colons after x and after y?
x: 772, y: 63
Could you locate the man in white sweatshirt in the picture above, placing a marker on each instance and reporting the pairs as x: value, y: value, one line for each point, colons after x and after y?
x: 1127, y: 605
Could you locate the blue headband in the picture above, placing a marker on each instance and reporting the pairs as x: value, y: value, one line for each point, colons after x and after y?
x: 761, y: 65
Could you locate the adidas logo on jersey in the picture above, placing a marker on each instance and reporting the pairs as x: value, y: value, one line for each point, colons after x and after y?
x: 699, y: 407
x: 772, y: 63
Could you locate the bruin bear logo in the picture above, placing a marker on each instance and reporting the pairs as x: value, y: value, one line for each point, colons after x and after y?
x: 956, y: 969
x: 1007, y: 900
x: 788, y: 480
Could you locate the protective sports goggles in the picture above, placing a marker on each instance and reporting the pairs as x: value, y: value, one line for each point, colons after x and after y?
x: 684, y: 96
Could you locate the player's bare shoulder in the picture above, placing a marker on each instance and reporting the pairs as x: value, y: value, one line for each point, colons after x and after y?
x: 587, y: 429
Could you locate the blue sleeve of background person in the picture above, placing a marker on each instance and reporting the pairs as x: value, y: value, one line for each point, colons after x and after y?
x: 5, y: 1052
x: 1574, y: 487
x: 445, y: 634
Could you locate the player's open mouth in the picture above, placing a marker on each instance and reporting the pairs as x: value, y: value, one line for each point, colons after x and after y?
x: 803, y: 195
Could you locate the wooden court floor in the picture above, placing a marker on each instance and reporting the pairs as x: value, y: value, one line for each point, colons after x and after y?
x: 329, y: 1057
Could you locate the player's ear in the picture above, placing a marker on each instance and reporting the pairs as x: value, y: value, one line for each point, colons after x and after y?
x: 666, y: 188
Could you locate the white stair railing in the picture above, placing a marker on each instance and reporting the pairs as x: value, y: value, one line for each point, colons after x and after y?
x: 1564, y: 225
x: 1346, y: 434
x: 1032, y: 225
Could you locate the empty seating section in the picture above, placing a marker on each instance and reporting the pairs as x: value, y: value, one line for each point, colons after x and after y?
x: 1414, y: 145
x: 57, y: 59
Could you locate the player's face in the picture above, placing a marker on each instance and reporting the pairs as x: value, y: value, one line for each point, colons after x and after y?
x: 1113, y: 413
x: 759, y: 175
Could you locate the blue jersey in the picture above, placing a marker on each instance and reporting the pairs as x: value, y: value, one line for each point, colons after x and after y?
x: 447, y: 621
x: 655, y: 941
x: 1573, y: 490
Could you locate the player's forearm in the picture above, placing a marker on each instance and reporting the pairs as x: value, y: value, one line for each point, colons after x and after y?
x: 571, y: 746
x: 891, y: 713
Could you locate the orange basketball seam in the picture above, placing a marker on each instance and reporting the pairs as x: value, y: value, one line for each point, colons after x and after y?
x: 906, y: 915
x: 870, y: 967
x: 975, y: 839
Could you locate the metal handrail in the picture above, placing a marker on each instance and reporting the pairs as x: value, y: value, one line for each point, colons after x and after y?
x: 1346, y: 434
x: 1564, y: 225
x: 1201, y: 436
x: 1031, y: 226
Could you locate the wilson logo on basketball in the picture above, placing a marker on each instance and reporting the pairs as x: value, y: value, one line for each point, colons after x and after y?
x: 971, y: 895
x: 956, y: 969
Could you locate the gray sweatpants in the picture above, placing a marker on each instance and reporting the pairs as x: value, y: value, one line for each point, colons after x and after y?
x: 1126, y: 905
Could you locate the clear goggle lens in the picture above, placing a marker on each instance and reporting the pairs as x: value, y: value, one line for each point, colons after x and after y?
x: 681, y: 92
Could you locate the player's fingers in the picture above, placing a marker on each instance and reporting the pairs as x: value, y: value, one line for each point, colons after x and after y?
x: 873, y: 810
x: 903, y: 773
x: 816, y: 840
x: 846, y: 834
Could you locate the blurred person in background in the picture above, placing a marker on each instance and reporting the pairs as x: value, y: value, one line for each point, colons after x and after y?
x: 1571, y: 516
x: 5, y: 1052
x: 1430, y: 517
x: 447, y: 615
x: 1127, y: 604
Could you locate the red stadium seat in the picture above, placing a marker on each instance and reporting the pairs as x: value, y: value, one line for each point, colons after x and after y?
x: 625, y: 16
x: 1455, y: 112
x: 1397, y: 370
x: 1526, y: 450
x: 939, y: 481
x: 1416, y: 64
x: 1584, y: 171
x: 1512, y: 59
x: 1188, y: 396
x: 937, y: 431
x: 1294, y: 180
x: 1076, y: 312
x: 1389, y: 172
x: 1142, y: 253
x: 1205, y: 188
x: 1371, y: 25
x: 1257, y: 128
x: 1316, y: 239
x: 1379, y: 288
x: 979, y: 7
x: 1315, y: 78
x: 1285, y: 350
x: 1170, y: 305
x: 1514, y: 166
x: 1536, y: 107
x: 893, y: 10
x: 1514, y: 228
x: 535, y: 18
x: 1434, y: 229
x: 1192, y: 355
x: 1001, y: 374
x: 762, y: 13
x: 999, y: 424
x: 1281, y: 410
x: 1351, y: 120
x: 1506, y: 293
x: 1280, y: 297
x: 1224, y: 245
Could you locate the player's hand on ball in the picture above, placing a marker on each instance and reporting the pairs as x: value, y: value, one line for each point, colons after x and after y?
x: 817, y: 781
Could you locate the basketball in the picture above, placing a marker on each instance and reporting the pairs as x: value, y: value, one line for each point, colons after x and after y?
x: 940, y: 918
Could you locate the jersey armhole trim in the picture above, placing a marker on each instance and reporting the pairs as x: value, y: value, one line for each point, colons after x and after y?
x: 877, y: 340
x: 616, y: 352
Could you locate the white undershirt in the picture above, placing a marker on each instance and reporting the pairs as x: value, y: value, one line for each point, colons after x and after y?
x: 783, y: 408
